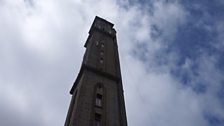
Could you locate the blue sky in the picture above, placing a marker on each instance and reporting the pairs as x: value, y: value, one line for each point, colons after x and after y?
x: 171, y: 55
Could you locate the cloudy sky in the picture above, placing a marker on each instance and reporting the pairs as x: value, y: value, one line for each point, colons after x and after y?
x: 171, y: 52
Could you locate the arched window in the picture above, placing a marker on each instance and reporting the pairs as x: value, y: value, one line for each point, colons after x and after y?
x: 99, y: 107
x: 101, y: 60
x: 102, y: 45
x: 98, y: 119
x: 99, y: 98
x: 99, y: 95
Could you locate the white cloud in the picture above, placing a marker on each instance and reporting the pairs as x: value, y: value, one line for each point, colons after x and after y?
x: 158, y: 99
x: 41, y: 44
x: 167, y: 16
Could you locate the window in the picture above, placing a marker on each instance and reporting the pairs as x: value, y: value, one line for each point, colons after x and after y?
x: 101, y: 60
x: 99, y: 100
x: 99, y: 86
x: 97, y: 43
x: 97, y: 119
x: 102, y: 45
x: 101, y: 53
x: 97, y: 123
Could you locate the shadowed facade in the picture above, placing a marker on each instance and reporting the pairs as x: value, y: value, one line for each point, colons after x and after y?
x: 97, y: 93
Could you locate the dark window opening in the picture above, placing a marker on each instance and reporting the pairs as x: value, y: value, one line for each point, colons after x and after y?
x: 97, y: 119
x: 99, y: 100
x: 102, y: 45
x: 101, y: 60
x: 97, y: 43
x: 101, y: 53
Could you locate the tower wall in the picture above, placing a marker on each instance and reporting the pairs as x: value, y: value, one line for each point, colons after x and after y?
x: 97, y: 94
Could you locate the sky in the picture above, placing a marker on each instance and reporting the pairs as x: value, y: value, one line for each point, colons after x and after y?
x: 171, y: 56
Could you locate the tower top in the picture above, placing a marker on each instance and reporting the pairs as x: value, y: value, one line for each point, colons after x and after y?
x: 101, y: 54
x: 101, y: 25
x: 102, y: 20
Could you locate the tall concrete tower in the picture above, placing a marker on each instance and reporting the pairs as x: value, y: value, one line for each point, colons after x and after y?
x: 97, y: 93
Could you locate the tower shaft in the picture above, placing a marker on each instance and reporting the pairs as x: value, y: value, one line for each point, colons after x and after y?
x: 97, y: 93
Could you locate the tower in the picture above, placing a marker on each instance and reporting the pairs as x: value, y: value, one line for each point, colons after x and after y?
x: 97, y: 93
